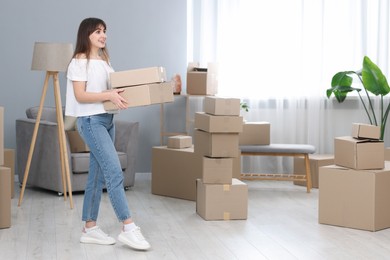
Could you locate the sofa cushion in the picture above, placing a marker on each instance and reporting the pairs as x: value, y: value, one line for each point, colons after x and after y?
x: 80, y: 162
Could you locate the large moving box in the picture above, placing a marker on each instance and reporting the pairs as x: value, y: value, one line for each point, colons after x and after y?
x: 354, y: 198
x: 217, y: 170
x: 222, y: 201
x: 174, y: 172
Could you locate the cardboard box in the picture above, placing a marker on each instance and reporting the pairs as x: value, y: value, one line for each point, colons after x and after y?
x: 136, y: 77
x: 202, y: 81
x: 217, y: 170
x: 174, y: 172
x: 218, y: 124
x: 237, y: 166
x: 9, y: 162
x: 5, y: 197
x: 387, y: 154
x: 360, y: 154
x: 1, y: 135
x: 316, y: 161
x: 365, y: 131
x: 255, y: 133
x: 222, y: 201
x: 355, y: 198
x: 222, y: 106
x: 144, y: 95
x: 179, y: 141
x: 76, y: 143
x: 216, y: 144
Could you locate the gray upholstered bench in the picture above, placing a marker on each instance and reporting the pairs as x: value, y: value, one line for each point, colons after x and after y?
x: 300, y: 150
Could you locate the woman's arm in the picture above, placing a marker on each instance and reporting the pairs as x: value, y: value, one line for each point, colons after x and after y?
x: 83, y: 96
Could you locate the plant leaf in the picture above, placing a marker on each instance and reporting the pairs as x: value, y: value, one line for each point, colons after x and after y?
x: 373, y: 79
x: 342, y: 79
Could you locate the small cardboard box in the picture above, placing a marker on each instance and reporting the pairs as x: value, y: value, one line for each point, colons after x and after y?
x: 216, y: 144
x: 202, y: 81
x: 144, y: 95
x: 219, y: 106
x: 136, y: 77
x: 9, y: 161
x: 222, y: 201
x: 174, y: 172
x: 76, y: 143
x: 5, y: 197
x: 255, y: 133
x: 217, y: 170
x: 1, y: 135
x: 179, y: 141
x: 359, y: 154
x: 218, y: 124
x: 354, y: 198
x: 316, y: 161
x: 365, y: 131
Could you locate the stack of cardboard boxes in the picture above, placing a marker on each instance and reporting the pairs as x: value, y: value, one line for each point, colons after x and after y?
x: 355, y: 190
x: 141, y: 87
x: 219, y: 195
x: 5, y: 181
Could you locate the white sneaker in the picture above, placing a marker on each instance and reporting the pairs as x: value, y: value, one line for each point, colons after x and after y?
x: 96, y: 236
x: 134, y: 239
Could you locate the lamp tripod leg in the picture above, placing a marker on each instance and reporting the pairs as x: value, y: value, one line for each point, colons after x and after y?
x: 62, y: 140
x: 33, y: 140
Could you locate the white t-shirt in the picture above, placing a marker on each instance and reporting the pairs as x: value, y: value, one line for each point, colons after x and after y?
x: 96, y: 75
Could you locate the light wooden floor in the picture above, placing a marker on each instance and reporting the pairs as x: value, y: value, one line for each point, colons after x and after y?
x: 282, y: 224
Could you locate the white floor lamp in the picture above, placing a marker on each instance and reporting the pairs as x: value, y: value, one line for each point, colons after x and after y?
x: 52, y: 58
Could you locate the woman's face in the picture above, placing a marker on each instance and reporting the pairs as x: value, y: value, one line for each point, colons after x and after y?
x: 98, y: 37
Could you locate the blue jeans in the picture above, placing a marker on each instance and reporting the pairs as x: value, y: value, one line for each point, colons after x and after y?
x: 98, y: 132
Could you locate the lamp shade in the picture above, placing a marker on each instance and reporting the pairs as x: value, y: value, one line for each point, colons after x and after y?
x: 51, y: 56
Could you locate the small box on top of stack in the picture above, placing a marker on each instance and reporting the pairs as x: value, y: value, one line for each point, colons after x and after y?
x: 202, y: 81
x: 141, y: 87
x: 354, y: 192
x: 220, y: 196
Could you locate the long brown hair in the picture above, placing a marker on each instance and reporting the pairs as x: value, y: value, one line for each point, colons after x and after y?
x: 83, y: 44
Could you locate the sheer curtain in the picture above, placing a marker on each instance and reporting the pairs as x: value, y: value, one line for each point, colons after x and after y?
x: 279, y: 56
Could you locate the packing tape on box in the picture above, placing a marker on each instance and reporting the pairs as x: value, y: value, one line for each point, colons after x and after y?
x: 226, y: 187
x: 226, y: 216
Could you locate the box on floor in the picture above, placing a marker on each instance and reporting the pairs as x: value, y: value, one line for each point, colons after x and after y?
x: 316, y: 161
x: 354, y: 198
x: 222, y: 201
x: 174, y: 172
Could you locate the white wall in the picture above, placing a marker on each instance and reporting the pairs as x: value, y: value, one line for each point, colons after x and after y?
x: 140, y: 34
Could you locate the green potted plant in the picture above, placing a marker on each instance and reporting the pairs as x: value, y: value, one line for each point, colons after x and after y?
x: 373, y: 81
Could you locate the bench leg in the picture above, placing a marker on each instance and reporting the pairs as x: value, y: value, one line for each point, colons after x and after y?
x: 308, y: 173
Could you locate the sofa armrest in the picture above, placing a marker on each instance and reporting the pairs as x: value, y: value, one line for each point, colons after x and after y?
x: 126, y: 140
x: 45, y: 171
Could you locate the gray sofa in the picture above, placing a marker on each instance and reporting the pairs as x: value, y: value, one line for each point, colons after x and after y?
x: 45, y: 168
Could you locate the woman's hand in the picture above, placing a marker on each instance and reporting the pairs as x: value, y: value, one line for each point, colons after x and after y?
x: 117, y: 99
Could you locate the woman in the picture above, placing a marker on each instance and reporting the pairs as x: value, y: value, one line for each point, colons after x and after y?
x: 87, y: 88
